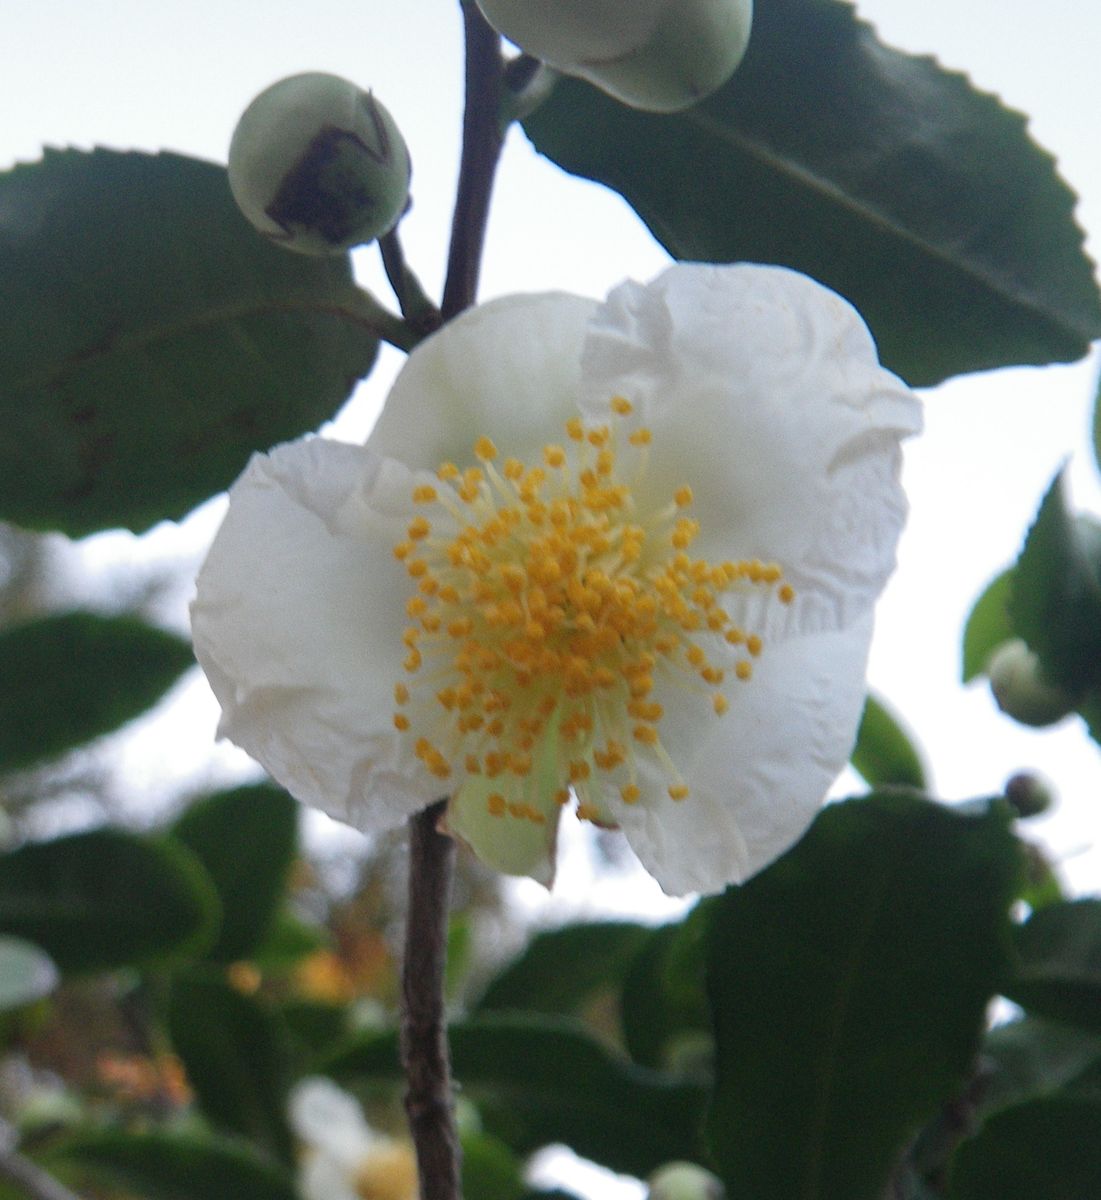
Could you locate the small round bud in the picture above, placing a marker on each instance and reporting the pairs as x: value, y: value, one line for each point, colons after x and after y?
x: 1029, y: 794
x: 685, y: 1181
x: 318, y: 165
x: 1020, y: 689
x: 657, y: 55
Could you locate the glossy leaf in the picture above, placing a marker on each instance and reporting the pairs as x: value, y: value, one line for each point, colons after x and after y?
x: 1056, y: 600
x: 106, y: 899
x: 236, y: 1058
x: 663, y: 1006
x: 150, y: 340
x: 69, y: 678
x: 490, y: 1170
x: 1059, y: 971
x: 1046, y: 1149
x: 892, y: 180
x: 1028, y: 1058
x: 562, y: 968
x: 988, y: 626
x: 26, y: 973
x: 849, y: 983
x: 173, y: 1166
x: 537, y: 1080
x: 246, y: 840
x: 884, y: 754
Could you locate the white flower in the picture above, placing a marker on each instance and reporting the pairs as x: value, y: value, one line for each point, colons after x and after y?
x: 659, y: 55
x: 343, y: 1157
x: 656, y: 596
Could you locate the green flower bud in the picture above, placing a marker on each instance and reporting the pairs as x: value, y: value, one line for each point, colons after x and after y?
x: 685, y: 1181
x: 318, y: 165
x: 1020, y: 689
x: 657, y: 55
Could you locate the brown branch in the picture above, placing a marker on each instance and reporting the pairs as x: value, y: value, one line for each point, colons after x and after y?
x: 482, y: 141
x: 424, y: 1049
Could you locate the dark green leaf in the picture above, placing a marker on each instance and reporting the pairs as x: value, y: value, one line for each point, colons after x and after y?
x: 246, y: 839
x: 1056, y: 599
x: 1029, y: 1058
x: 150, y: 340
x: 562, y: 968
x: 1045, y: 1150
x: 106, y: 899
x: 849, y: 983
x: 26, y: 973
x: 1097, y: 426
x: 884, y: 754
x: 287, y: 941
x: 235, y: 1054
x: 67, y: 679
x: 174, y: 1166
x: 920, y: 199
x: 538, y: 1080
x: 1059, y: 974
x: 988, y: 626
x: 666, y: 1021
x: 490, y: 1170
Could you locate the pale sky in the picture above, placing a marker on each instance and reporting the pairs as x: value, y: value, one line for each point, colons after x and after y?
x: 176, y: 74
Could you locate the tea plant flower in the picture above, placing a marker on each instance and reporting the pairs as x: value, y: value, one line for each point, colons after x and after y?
x: 343, y: 1158
x: 612, y: 559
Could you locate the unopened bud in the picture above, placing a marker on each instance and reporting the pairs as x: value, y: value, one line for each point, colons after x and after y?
x: 1029, y: 794
x: 1020, y: 689
x: 318, y: 165
x: 685, y: 1181
x: 658, y: 55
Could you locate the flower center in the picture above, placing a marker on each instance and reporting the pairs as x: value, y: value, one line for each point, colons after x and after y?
x: 547, y: 605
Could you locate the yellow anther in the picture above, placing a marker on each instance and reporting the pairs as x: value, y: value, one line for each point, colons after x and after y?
x: 683, y: 496
x: 401, y: 693
x: 496, y: 804
x: 753, y: 644
x: 402, y: 550
x: 678, y: 791
x: 646, y: 734
x: 630, y: 793
x: 401, y: 722
x: 485, y: 450
x: 744, y: 670
x: 447, y: 471
x: 554, y: 456
x: 473, y: 764
x: 641, y: 437
x: 412, y: 661
x: 575, y: 429
x: 622, y: 406
x: 419, y: 529
x: 417, y: 568
x: 425, y: 494
x: 719, y: 703
x: 786, y: 593
x: 416, y: 606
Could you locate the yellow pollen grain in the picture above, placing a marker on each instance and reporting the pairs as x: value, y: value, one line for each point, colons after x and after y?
x: 551, y: 610
x: 786, y: 593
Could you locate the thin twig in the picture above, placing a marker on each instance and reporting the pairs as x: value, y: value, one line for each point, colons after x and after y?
x: 419, y: 312
x: 28, y: 1177
x: 482, y: 140
x: 425, y: 1055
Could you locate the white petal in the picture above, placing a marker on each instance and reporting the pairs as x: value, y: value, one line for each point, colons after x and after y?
x: 297, y: 622
x: 764, y: 393
x: 327, y: 1118
x: 509, y: 370
x: 758, y: 774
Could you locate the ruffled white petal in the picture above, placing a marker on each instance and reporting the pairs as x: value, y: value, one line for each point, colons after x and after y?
x: 567, y: 33
x: 757, y: 774
x: 509, y: 369
x: 764, y: 392
x: 297, y: 622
